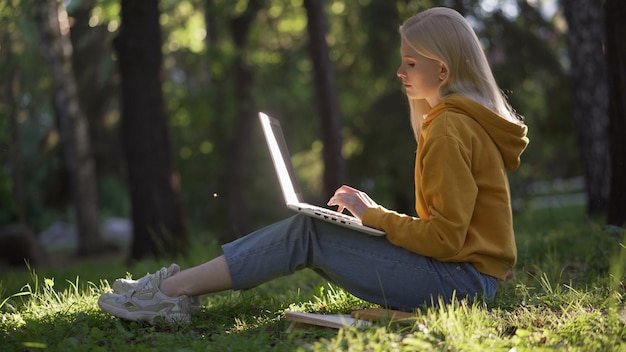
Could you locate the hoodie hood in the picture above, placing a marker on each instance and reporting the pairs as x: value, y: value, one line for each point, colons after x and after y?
x: 510, y: 137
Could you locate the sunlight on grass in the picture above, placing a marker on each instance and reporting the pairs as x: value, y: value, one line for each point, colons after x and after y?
x: 566, y: 293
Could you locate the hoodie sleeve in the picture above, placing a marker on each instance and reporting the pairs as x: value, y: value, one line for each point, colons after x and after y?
x: 448, y: 195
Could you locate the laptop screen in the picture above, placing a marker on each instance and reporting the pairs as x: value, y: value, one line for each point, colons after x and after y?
x: 281, y: 158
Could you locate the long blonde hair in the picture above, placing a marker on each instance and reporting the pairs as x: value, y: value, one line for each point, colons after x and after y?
x: 442, y: 34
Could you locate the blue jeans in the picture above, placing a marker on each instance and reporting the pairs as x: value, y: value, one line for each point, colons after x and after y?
x: 368, y: 267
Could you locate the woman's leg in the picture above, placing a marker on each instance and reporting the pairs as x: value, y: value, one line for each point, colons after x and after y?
x: 369, y: 267
x: 212, y: 276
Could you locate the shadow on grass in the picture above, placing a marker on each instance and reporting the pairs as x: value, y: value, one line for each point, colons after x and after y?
x: 246, y: 321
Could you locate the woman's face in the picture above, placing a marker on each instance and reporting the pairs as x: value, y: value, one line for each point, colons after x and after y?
x: 421, y: 76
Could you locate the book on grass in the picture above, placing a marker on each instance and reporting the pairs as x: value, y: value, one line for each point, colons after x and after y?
x: 335, y: 321
x: 358, y: 318
x: 376, y: 314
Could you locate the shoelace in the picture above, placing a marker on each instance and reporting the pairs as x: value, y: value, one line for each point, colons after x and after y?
x: 144, y: 283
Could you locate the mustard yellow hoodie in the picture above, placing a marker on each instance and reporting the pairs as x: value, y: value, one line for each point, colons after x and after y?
x: 461, y: 189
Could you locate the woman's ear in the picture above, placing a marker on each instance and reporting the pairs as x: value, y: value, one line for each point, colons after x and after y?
x: 443, y: 72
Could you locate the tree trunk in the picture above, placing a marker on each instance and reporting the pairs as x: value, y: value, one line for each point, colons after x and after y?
x: 590, y: 89
x: 15, y: 153
x: 93, y: 68
x: 244, y: 124
x: 211, y: 35
x: 327, y: 100
x: 158, y: 225
x: 615, y: 19
x: 74, y: 128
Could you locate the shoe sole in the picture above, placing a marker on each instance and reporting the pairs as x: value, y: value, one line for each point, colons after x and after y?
x: 121, y: 289
x: 143, y: 316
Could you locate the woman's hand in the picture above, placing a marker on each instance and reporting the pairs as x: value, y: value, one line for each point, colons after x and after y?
x: 352, y: 199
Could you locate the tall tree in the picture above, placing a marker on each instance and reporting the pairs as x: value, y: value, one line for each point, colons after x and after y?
x: 327, y: 97
x: 158, y: 225
x: 54, y: 25
x: 590, y: 89
x: 211, y: 35
x: 615, y: 19
x: 244, y: 122
x: 14, y: 155
x: 96, y: 80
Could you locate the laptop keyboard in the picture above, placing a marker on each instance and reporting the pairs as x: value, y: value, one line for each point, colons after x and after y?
x: 335, y: 215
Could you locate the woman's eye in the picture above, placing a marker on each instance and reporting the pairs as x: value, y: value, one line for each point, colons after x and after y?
x: 411, y: 64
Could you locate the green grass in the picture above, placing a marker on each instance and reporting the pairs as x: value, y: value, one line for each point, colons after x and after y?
x: 566, y: 293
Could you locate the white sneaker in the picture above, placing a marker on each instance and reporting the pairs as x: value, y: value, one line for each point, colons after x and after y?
x: 145, y: 302
x: 121, y: 286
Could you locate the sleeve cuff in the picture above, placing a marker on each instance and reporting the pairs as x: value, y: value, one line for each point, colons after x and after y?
x: 372, y: 217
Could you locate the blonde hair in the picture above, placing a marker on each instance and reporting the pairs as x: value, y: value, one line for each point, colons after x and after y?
x: 442, y: 34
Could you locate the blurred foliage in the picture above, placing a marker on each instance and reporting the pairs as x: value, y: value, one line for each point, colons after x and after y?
x: 525, y: 46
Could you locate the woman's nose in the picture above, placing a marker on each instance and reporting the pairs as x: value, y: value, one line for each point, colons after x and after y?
x: 400, y: 73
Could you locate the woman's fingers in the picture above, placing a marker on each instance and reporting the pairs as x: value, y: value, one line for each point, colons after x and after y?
x: 339, y: 199
x: 355, y: 201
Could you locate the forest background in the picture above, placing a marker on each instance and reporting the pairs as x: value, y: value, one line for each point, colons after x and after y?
x: 187, y: 136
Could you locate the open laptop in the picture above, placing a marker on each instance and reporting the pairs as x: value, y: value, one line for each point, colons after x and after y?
x: 289, y: 184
